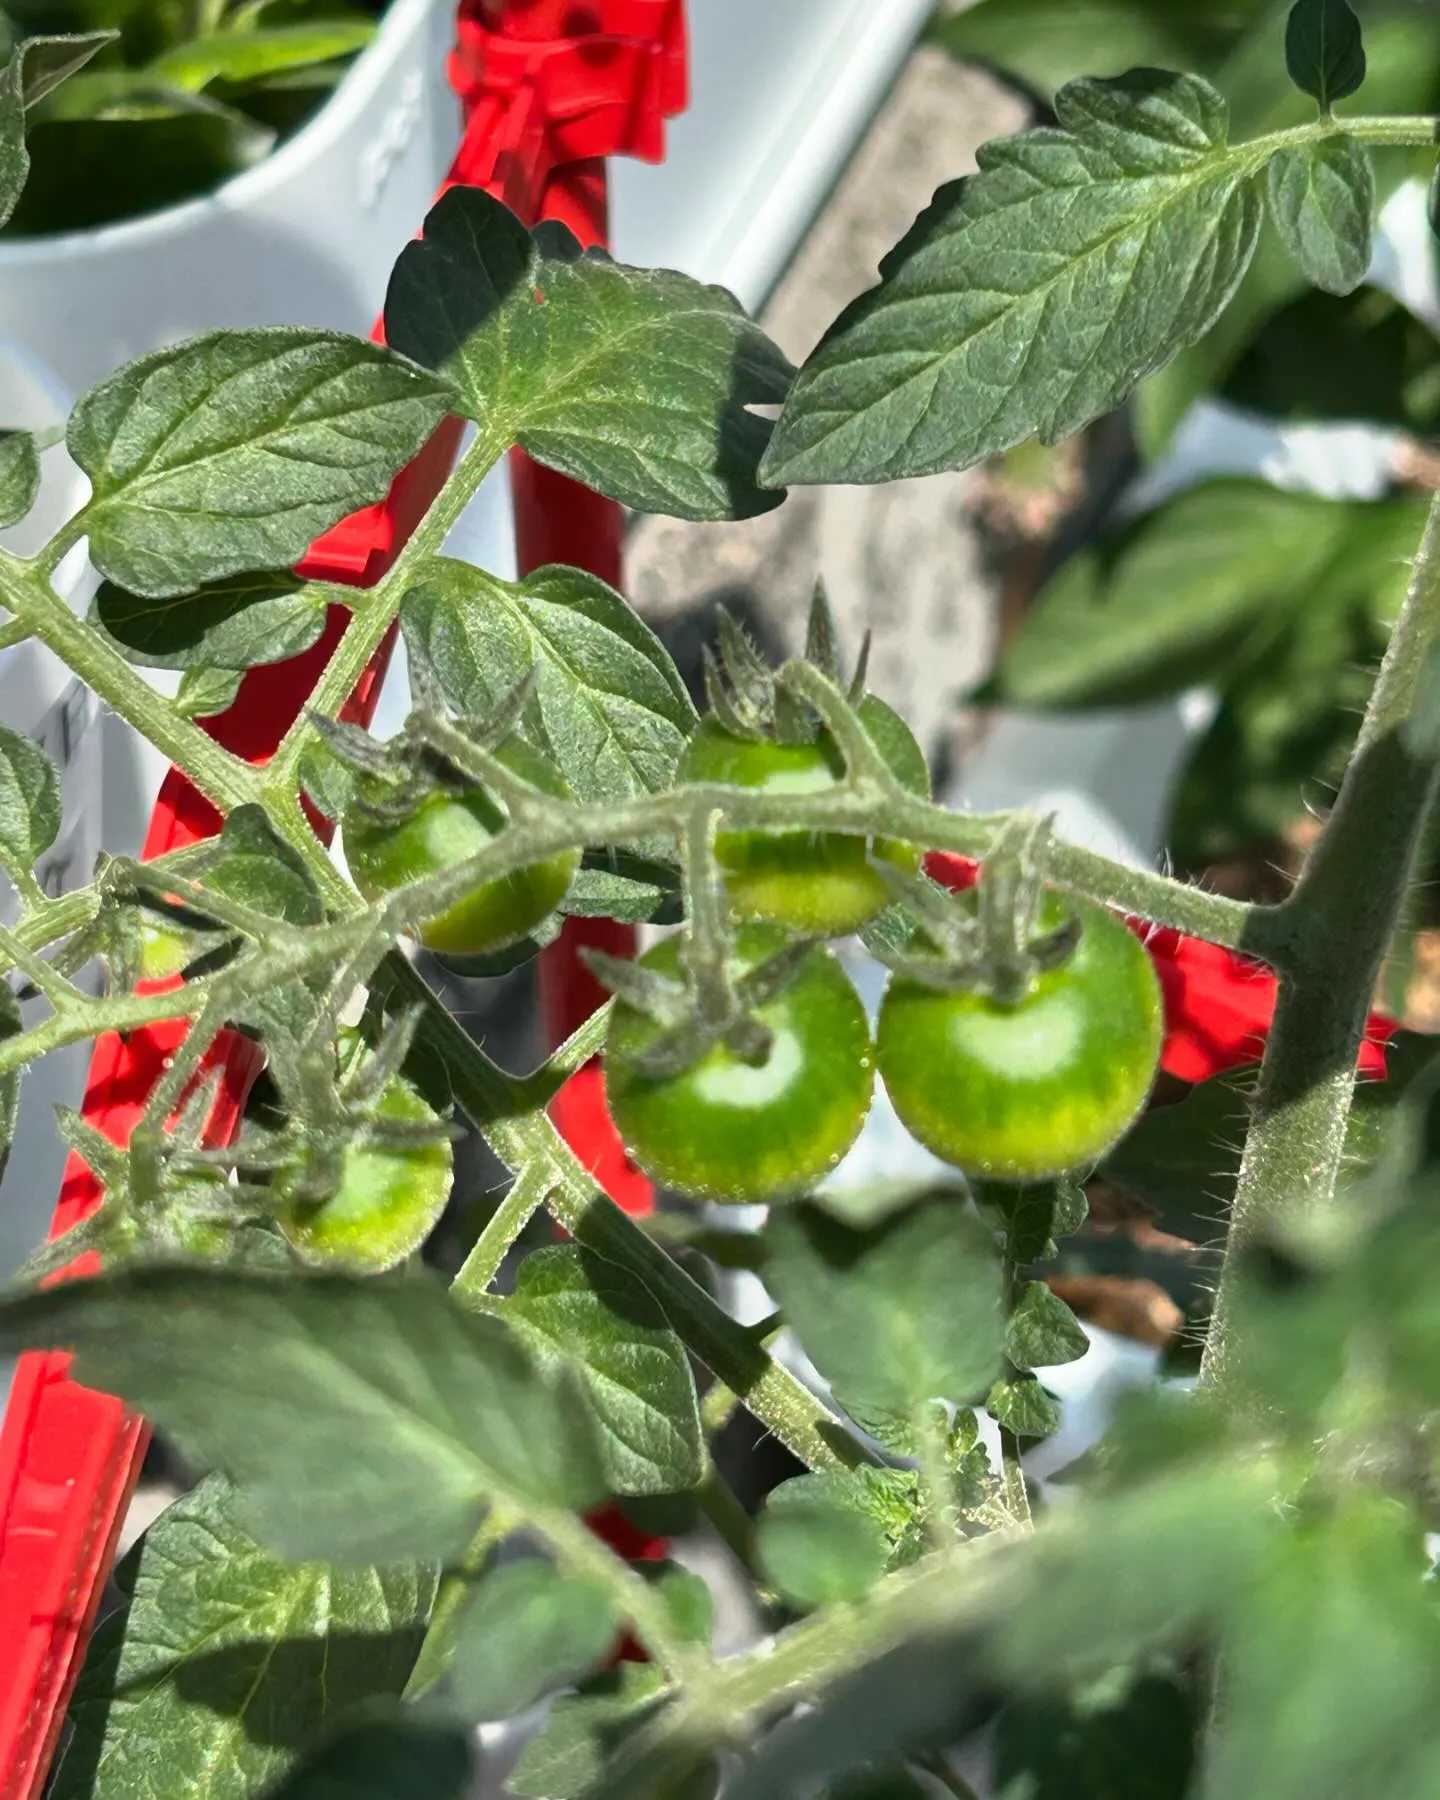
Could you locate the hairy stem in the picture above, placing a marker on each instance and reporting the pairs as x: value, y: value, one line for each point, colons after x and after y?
x: 1337, y: 926
x: 528, y: 1193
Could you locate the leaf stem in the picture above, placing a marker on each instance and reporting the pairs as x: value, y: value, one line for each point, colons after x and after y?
x: 1336, y: 926
x: 528, y: 1193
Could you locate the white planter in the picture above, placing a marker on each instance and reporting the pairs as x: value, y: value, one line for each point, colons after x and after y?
x: 306, y: 237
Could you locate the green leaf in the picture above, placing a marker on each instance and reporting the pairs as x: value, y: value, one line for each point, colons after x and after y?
x: 1023, y: 1407
x: 240, y: 56
x: 30, y: 803
x: 392, y: 1757
x: 1135, y: 1744
x: 569, y: 1752
x: 1030, y: 298
x: 1188, y: 592
x: 1114, y: 1578
x: 1324, y: 50
x: 637, y: 382
x: 406, y: 1412
x: 204, y: 692
x: 1045, y: 43
x: 239, y: 622
x: 229, y: 1659
x: 608, y: 708
x: 687, y: 1599
x: 235, y: 450
x: 1042, y: 1332
x: 817, y: 1544
x: 19, y: 475
x: 255, y: 867
x: 904, y: 1312
x: 1334, y: 1658
x: 1322, y: 199
x: 39, y: 65
x: 568, y: 1304
x: 526, y: 1629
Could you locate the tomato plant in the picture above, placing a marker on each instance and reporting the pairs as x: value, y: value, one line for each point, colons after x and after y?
x: 733, y: 1127
x: 391, y: 1540
x: 1023, y: 1089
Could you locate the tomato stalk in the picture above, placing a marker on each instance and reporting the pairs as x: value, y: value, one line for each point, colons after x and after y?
x: 1334, y: 931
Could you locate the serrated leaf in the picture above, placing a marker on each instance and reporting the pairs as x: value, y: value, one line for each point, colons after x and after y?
x: 393, y: 1757
x: 525, y: 1629
x: 239, y: 622
x: 204, y: 692
x: 1020, y: 1405
x: 569, y: 1752
x: 1135, y: 1744
x: 1324, y: 50
x: 1030, y: 298
x: 229, y: 1658
x: 19, y: 475
x: 608, y: 707
x: 406, y: 1412
x: 1042, y: 1332
x: 637, y: 382
x: 235, y: 450
x: 818, y: 1544
x: 30, y: 802
x: 892, y: 1316
x: 1322, y: 199
x: 255, y: 867
x: 569, y: 1304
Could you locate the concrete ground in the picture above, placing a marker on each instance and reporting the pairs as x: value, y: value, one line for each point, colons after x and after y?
x: 904, y: 560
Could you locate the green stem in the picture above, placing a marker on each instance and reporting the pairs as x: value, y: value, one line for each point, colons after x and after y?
x: 527, y: 1195
x: 942, y: 1518
x: 1337, y: 926
x: 221, y: 777
x: 455, y: 1585
x: 732, y: 1523
x: 50, y: 982
x: 375, y: 609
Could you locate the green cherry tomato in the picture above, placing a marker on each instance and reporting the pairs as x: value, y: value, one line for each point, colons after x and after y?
x: 723, y: 1130
x: 1018, y: 1093
x: 446, y: 828
x: 819, y: 883
x: 389, y: 1198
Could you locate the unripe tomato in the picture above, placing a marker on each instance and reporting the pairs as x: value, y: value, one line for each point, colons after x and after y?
x: 818, y: 883
x: 1018, y: 1093
x: 447, y: 828
x: 724, y: 1130
x: 388, y: 1200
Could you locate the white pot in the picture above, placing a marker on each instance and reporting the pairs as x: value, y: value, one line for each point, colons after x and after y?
x: 306, y: 237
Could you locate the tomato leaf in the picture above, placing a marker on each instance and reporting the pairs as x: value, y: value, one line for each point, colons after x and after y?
x: 235, y: 450
x: 391, y: 1757
x: 568, y: 1754
x: 229, y: 1658
x: 238, y: 622
x: 1030, y: 298
x: 638, y: 382
x: 1042, y: 1332
x: 30, y: 803
x: 1020, y: 1405
x: 525, y: 1629
x: 404, y: 1410
x: 19, y: 475
x: 255, y: 867
x: 817, y: 1544
x: 608, y: 707
x: 904, y: 1312
x: 36, y: 67
x: 1322, y: 199
x: 241, y: 56
x: 570, y: 1305
x: 1324, y: 50
x: 203, y: 692
x: 1137, y: 1744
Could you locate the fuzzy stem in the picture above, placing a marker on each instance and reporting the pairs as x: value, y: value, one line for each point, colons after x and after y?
x: 527, y: 1195
x: 1337, y: 926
